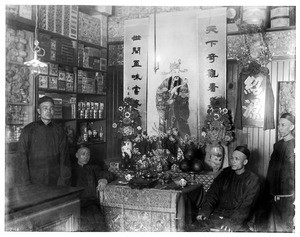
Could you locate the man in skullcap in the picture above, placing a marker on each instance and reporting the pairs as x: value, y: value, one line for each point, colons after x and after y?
x: 43, y: 154
x: 279, y: 192
x: 230, y: 199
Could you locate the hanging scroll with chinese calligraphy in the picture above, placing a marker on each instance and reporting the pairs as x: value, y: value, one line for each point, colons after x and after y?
x: 212, y: 57
x: 135, y: 62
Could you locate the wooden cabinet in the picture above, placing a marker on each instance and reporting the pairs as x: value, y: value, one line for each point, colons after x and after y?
x: 75, y: 51
x: 42, y: 208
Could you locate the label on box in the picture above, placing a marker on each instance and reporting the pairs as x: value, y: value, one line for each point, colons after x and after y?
x: 43, y: 81
x: 69, y: 86
x: 25, y: 11
x: 44, y: 70
x: 103, y: 64
x: 53, y: 69
x: 280, y: 11
x: 61, y: 75
x: 53, y: 83
x: 280, y: 22
x: 69, y: 77
x: 61, y: 85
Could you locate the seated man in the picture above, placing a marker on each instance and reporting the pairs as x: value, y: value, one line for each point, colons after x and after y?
x: 228, y: 202
x: 90, y: 177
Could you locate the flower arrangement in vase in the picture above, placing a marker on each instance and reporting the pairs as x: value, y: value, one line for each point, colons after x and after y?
x: 216, y: 133
x: 127, y: 127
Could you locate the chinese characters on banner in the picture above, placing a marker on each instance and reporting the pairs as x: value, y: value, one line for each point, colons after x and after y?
x: 135, y: 62
x: 253, y: 101
x: 212, y: 57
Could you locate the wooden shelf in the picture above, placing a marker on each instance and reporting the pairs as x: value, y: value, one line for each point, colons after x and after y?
x: 63, y: 119
x: 90, y: 69
x: 91, y: 94
x: 24, y: 104
x: 19, y: 22
x: 16, y: 63
x: 56, y: 91
x: 55, y: 35
x: 91, y: 143
x: 88, y: 44
x: 90, y: 120
x: 59, y: 63
x: 267, y: 30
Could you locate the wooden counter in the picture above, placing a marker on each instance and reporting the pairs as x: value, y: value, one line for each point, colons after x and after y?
x: 42, y: 208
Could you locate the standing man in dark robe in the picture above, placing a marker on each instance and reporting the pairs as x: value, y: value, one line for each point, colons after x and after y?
x: 280, y: 181
x: 172, y: 102
x: 229, y: 201
x: 43, y: 154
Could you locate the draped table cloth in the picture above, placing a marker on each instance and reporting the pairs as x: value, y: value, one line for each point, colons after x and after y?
x: 155, y: 209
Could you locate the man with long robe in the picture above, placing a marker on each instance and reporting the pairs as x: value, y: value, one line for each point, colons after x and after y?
x: 229, y: 201
x: 279, y: 193
x: 43, y: 153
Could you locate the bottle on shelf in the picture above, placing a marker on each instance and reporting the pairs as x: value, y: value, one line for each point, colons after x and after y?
x: 101, y: 134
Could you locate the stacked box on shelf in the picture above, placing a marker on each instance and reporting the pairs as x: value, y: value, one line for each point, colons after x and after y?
x: 53, y: 69
x: 100, y: 82
x: 52, y: 83
x: 89, y: 29
x: 61, y: 19
x: 50, y: 18
x: 80, y: 50
x: 26, y: 11
x: 61, y: 80
x: 91, y: 58
x: 43, y: 81
x: 44, y: 70
x: 58, y: 19
x: 73, y: 106
x: 53, y: 49
x: 68, y: 106
x: 69, y: 81
x: 104, y: 32
x: 13, y: 9
x: 53, y: 76
x: 45, y: 43
x: 80, y: 75
x: 86, y: 82
x: 70, y: 21
x: 42, y: 17
x: 65, y: 50
x: 57, y: 108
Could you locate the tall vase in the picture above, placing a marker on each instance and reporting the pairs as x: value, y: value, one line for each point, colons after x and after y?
x: 126, y: 149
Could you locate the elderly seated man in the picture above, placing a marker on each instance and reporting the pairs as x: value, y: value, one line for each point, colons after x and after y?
x: 227, y: 204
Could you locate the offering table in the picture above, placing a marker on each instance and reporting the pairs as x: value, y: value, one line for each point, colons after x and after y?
x: 161, y: 208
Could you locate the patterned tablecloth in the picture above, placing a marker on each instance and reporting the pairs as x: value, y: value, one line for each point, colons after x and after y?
x: 128, y: 209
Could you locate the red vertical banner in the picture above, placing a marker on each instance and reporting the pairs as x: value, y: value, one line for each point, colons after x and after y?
x: 212, y: 57
x: 135, y: 63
